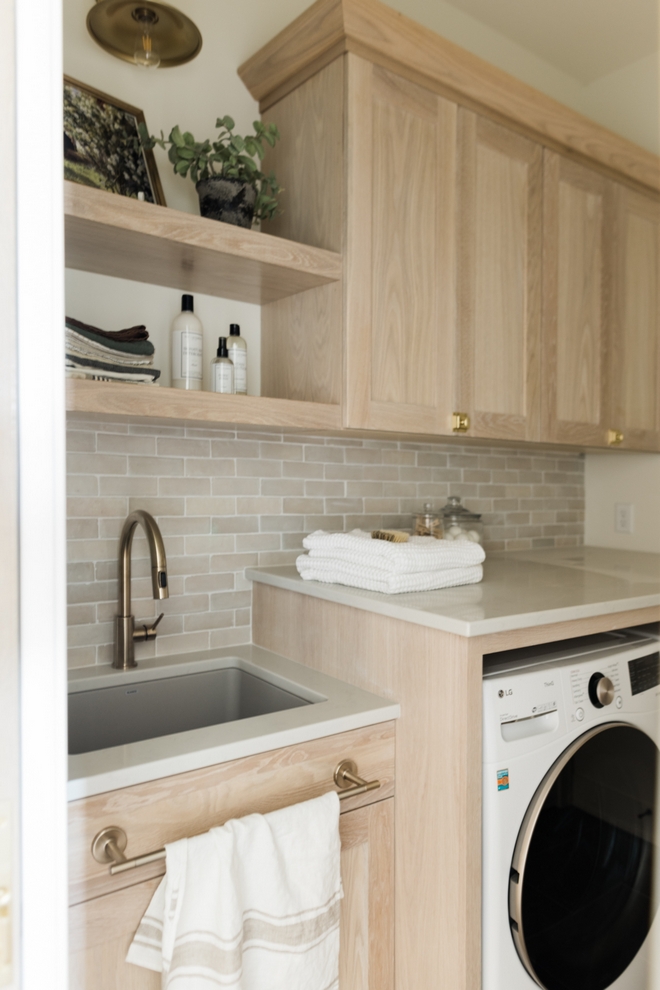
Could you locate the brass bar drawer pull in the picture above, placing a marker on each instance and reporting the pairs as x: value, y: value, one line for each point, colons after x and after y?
x: 109, y: 844
x: 614, y: 437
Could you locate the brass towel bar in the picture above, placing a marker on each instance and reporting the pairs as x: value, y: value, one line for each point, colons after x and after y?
x: 109, y: 845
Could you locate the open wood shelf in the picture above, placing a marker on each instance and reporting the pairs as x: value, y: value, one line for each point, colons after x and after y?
x: 115, y: 235
x: 178, y: 406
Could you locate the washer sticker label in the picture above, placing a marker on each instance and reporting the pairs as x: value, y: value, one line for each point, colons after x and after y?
x: 503, y: 780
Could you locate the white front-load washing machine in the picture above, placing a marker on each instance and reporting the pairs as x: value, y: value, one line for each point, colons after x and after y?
x: 570, y: 748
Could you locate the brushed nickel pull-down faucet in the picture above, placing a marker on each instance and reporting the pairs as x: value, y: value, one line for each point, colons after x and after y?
x: 125, y: 632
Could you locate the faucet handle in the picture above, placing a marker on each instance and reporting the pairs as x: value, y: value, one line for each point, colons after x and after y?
x: 147, y: 632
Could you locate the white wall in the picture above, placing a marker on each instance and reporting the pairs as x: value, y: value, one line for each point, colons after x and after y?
x: 622, y: 476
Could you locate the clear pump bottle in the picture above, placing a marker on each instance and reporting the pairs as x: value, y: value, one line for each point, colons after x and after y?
x: 222, y: 370
x: 187, y: 347
x: 237, y: 349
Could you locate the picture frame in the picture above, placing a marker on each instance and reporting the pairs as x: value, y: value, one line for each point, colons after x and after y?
x: 102, y: 146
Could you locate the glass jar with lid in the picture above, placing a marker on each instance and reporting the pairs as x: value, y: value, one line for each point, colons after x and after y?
x: 459, y: 523
x: 428, y: 522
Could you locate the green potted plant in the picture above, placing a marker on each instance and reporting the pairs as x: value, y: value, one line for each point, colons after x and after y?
x: 229, y: 182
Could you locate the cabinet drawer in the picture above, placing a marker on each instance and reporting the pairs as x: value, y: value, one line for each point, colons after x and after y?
x: 186, y: 804
x: 101, y: 930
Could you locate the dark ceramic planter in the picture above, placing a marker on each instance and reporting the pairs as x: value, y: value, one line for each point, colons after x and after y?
x: 228, y: 200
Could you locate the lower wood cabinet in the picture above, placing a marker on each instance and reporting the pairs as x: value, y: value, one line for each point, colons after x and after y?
x: 105, y: 911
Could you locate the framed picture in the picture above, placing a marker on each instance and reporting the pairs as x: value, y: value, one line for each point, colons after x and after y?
x: 102, y: 144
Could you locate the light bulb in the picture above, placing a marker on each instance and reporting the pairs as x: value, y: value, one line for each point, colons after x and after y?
x: 145, y: 54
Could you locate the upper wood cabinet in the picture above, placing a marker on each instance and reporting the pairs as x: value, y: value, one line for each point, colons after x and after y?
x: 399, y: 253
x: 486, y: 272
x: 499, y: 279
x: 578, y: 225
x: 634, y: 365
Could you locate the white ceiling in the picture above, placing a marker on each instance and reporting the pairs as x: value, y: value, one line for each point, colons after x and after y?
x: 585, y: 38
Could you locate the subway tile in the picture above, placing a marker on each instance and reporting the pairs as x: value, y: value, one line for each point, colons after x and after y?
x: 158, y: 507
x: 81, y: 656
x: 87, y: 463
x: 184, y: 447
x: 184, y: 643
x: 82, y: 484
x: 210, y: 543
x: 127, y: 485
x: 292, y: 487
x: 184, y: 526
x: 235, y: 524
x: 200, y: 583
x: 325, y: 455
x: 236, y: 486
x: 281, y: 451
x: 230, y: 600
x: 208, y: 620
x: 254, y: 542
x: 96, y: 507
x: 210, y: 467
x: 81, y: 614
x: 307, y: 469
x: 212, y: 506
x: 170, y: 466
x: 258, y: 469
x: 119, y: 443
x: 233, y: 561
x: 260, y: 505
x: 308, y: 506
x: 184, y: 486
x: 234, y: 448
x: 80, y: 572
x: 278, y: 558
x: 82, y: 529
x: 80, y: 440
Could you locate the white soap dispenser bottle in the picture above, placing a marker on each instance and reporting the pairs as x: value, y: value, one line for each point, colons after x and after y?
x: 222, y: 370
x: 237, y: 348
x: 187, y: 347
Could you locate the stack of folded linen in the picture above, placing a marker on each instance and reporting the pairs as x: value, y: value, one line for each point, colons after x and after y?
x: 421, y: 564
x: 109, y: 356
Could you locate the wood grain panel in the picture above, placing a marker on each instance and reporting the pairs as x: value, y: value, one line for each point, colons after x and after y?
x: 635, y: 331
x: 309, y: 160
x: 301, y: 346
x: 384, y: 36
x: 438, y: 752
x: 114, y: 400
x: 499, y: 301
x: 101, y: 930
x: 404, y: 203
x: 400, y: 253
x: 115, y: 235
x: 165, y: 810
x: 578, y: 227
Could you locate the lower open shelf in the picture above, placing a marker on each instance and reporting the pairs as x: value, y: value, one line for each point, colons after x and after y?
x: 116, y: 399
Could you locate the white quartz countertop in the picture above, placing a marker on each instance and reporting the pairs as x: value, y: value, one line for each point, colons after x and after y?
x: 338, y: 707
x: 519, y: 590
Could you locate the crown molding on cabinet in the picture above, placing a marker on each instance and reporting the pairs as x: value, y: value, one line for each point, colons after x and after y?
x: 374, y: 31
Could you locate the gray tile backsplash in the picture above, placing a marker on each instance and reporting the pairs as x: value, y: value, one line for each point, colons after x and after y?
x: 229, y: 499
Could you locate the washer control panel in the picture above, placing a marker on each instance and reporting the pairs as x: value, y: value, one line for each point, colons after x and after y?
x: 644, y: 673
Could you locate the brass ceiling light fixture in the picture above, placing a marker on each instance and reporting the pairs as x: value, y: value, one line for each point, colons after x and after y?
x: 145, y: 33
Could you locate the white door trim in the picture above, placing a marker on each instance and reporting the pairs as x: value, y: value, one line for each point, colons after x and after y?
x: 42, y: 519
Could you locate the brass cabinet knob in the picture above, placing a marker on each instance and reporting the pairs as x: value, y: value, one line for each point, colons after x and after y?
x: 614, y: 438
x: 460, y: 422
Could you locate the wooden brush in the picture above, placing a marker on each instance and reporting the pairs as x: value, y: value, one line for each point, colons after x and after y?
x: 391, y: 535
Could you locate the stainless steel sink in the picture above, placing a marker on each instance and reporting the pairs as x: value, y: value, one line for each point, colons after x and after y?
x: 112, y: 716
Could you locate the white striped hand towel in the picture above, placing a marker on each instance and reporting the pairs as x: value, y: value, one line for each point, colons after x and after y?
x: 252, y: 905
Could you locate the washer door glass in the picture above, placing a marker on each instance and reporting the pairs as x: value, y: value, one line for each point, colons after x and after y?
x: 580, y: 895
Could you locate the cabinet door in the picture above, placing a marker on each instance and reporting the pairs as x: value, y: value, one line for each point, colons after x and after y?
x: 100, y: 930
x: 635, y: 327
x: 499, y: 280
x: 578, y: 227
x: 399, y: 253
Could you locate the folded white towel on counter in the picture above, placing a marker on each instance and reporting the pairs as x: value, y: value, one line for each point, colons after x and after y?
x: 252, y: 905
x: 420, y: 554
x: 359, y: 576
